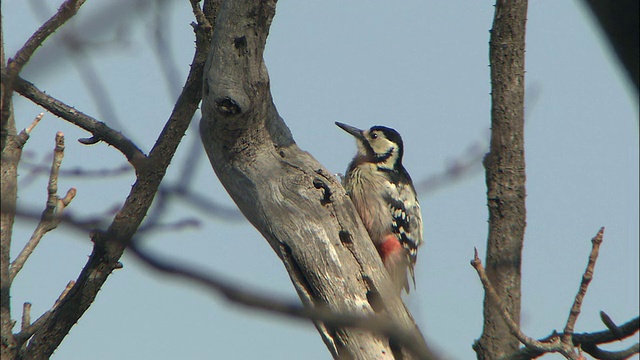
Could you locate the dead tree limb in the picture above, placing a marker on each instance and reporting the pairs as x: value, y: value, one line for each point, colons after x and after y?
x: 313, y: 229
x: 505, y: 177
x: 589, y: 343
x: 52, y: 214
x: 566, y: 342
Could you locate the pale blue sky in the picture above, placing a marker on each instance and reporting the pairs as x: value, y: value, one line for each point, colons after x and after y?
x: 419, y: 67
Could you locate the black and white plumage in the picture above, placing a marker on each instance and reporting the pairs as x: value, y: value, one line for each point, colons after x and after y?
x: 385, y: 198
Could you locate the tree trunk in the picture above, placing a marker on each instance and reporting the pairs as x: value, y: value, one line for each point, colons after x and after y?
x: 295, y: 203
x: 505, y: 176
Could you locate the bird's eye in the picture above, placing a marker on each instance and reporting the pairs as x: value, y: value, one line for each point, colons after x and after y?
x: 374, y: 136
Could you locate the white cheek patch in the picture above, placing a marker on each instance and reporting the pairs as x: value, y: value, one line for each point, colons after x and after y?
x: 382, y: 146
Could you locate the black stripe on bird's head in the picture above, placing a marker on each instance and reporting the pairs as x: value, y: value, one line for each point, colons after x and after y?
x: 379, y: 145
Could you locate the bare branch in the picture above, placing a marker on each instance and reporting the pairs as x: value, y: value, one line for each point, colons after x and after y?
x: 109, y: 245
x: 83, y: 225
x: 610, y: 324
x: 99, y: 129
x: 172, y: 226
x: 26, y: 315
x: 94, y: 85
x: 584, y: 284
x: 67, y: 10
x: 13, y: 155
x: 11, y: 147
x: 565, y: 342
x: 34, y: 169
x: 28, y: 249
x: 34, y: 123
x: 200, y: 202
x: 259, y: 301
x: 607, y: 336
x: 28, y: 331
x: 598, y: 353
x: 53, y: 212
x: 58, y: 154
x: 463, y: 166
x: 70, y: 38
x: 551, y: 345
x: 199, y: 15
x: 588, y: 342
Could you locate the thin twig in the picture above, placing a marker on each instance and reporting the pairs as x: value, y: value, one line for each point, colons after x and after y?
x: 462, y: 166
x: 52, y: 188
x: 201, y: 202
x: 551, y: 346
x: 34, y: 123
x: 28, y: 331
x: 51, y: 216
x: 606, y: 320
x: 36, y: 169
x: 584, y: 284
x: 198, y: 14
x: 171, y: 226
x: 20, y: 140
x: 26, y: 315
x: 81, y: 224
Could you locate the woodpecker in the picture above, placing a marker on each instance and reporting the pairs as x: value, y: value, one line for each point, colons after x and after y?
x: 385, y: 198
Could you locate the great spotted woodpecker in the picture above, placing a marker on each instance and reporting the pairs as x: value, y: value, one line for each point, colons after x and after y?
x: 385, y: 198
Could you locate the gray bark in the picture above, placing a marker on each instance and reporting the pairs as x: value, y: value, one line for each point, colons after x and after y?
x: 295, y: 203
x: 505, y: 177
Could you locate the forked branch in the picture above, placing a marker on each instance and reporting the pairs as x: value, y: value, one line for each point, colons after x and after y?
x: 53, y: 212
x: 566, y: 342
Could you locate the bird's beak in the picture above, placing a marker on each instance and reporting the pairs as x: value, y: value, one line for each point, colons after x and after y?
x: 357, y: 133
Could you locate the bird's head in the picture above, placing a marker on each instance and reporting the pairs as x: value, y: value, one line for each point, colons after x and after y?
x: 379, y: 145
